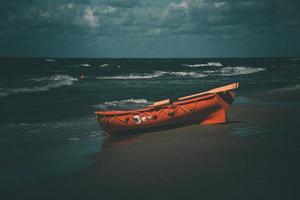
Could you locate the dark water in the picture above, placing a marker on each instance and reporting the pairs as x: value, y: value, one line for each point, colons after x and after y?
x: 47, y: 122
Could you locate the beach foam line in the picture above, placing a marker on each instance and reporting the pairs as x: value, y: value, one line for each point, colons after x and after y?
x: 123, y: 104
x: 155, y: 74
x: 209, y: 64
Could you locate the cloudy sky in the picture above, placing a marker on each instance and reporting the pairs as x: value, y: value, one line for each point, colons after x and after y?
x: 150, y: 28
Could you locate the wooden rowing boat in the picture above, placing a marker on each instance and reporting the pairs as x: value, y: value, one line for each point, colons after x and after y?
x: 208, y: 107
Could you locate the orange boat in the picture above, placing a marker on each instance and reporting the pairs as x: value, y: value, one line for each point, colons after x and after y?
x: 208, y: 107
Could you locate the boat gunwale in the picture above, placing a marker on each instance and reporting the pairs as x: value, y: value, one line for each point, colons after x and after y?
x: 180, y: 101
x: 150, y: 108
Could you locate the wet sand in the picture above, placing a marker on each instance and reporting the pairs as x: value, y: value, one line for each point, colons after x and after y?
x: 250, y: 157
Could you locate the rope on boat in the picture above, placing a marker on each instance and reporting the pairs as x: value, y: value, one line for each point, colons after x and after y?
x: 154, y: 116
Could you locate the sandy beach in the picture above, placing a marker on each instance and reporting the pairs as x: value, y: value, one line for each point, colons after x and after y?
x: 94, y: 94
x: 247, y: 158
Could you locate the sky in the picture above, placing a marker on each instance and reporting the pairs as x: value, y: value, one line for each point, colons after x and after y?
x: 149, y: 28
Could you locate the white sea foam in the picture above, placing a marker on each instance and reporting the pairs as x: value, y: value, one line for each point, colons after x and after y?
x: 50, y: 60
x: 28, y: 90
x: 95, y: 134
x: 286, y: 88
x: 45, y: 84
x: 107, y: 65
x: 74, y: 139
x: 56, y: 78
x: 83, y: 65
x: 155, y: 74
x: 209, y: 64
x: 104, y: 65
x: 195, y: 65
x: 191, y: 74
x: 240, y: 70
x: 209, y: 71
x: 124, y: 104
x: 135, y: 76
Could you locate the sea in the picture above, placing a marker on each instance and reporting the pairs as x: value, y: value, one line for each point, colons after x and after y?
x: 47, y: 123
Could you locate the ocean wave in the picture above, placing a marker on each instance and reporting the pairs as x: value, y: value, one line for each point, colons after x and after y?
x: 56, y: 78
x: 209, y: 71
x: 50, y: 60
x: 45, y: 84
x: 134, y: 76
x: 209, y: 64
x: 73, y: 139
x: 123, y: 104
x: 107, y: 65
x: 95, y: 134
x: 191, y: 74
x: 155, y: 74
x: 104, y: 65
x: 3, y: 94
x: 83, y: 65
x: 290, y: 88
x: 242, y: 70
x: 84, y: 128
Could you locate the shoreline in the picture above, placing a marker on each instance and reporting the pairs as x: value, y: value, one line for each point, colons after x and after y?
x: 195, y: 162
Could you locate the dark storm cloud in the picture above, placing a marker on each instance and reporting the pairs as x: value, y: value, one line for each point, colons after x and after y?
x: 209, y: 20
x: 126, y: 4
x: 205, y: 16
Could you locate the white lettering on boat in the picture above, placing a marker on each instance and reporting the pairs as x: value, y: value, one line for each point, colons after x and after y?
x: 137, y: 119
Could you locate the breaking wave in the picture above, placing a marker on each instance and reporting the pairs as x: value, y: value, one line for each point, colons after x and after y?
x: 56, y: 79
x: 242, y: 70
x: 104, y: 65
x: 83, y: 65
x: 124, y: 104
x: 155, y: 74
x: 134, y: 76
x: 191, y: 74
x: 225, y: 71
x: 209, y: 64
x: 45, y: 84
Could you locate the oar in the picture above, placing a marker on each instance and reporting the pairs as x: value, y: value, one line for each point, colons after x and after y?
x: 215, y: 90
x: 161, y: 103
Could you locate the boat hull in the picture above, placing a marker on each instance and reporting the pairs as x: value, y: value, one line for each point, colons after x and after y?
x: 206, y: 109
